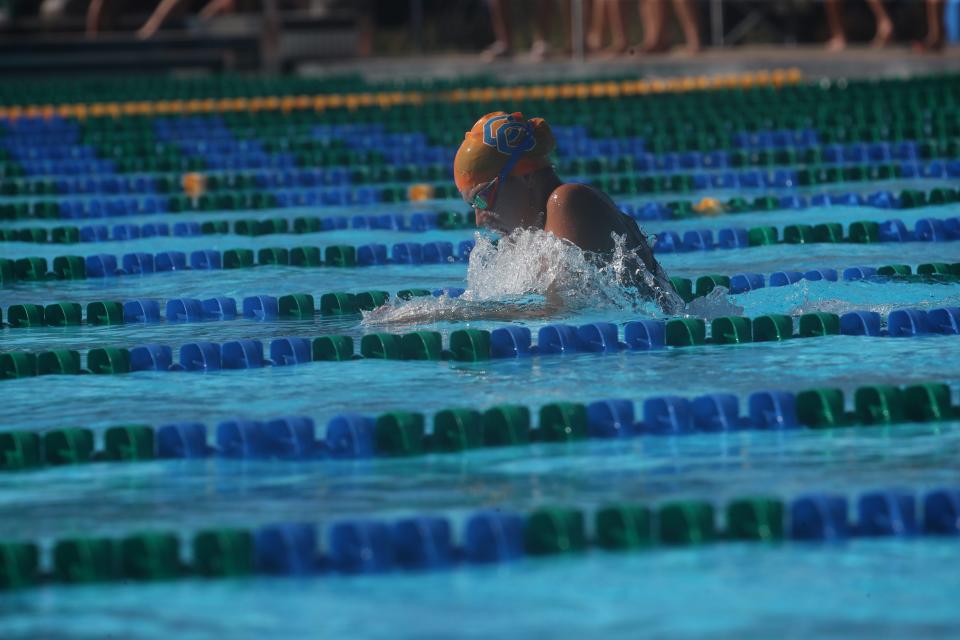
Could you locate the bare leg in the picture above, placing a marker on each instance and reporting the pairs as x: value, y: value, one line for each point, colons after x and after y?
x: 598, y: 16
x: 501, y: 31
x: 653, y: 14
x: 94, y: 9
x: 687, y: 15
x: 838, y: 38
x: 156, y: 19
x: 541, y: 27
x: 618, y: 32
x: 566, y: 22
x: 216, y: 7
x: 884, y: 23
x: 364, y: 30
x: 934, y: 39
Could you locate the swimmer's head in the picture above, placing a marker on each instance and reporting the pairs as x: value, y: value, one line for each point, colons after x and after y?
x: 496, y: 154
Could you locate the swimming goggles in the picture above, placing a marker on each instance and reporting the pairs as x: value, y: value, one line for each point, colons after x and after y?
x: 486, y: 197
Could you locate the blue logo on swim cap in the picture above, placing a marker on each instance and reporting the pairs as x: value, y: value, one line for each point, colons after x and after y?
x: 510, y: 137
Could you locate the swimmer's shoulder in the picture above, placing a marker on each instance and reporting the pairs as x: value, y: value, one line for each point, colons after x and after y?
x: 571, y: 198
x: 583, y: 215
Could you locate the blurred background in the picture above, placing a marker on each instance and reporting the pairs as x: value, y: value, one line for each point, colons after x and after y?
x: 54, y: 36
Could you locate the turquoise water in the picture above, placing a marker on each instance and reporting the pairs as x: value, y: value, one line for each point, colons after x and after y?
x: 863, y: 589
x: 855, y: 591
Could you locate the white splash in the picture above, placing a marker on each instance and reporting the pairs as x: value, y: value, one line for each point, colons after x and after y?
x: 713, y: 305
x: 532, y: 274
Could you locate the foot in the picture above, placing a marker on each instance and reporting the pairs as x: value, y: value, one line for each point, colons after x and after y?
x: 659, y: 46
x: 613, y: 51
x: 884, y: 34
x: 691, y: 48
x: 594, y: 42
x: 837, y: 43
x: 539, y: 50
x: 498, y: 49
x: 929, y: 46
x: 52, y: 8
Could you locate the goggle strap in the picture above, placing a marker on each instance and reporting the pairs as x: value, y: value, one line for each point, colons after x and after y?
x: 479, y: 201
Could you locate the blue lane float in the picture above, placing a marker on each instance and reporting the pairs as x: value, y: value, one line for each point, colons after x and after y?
x: 464, y: 345
x: 925, y: 230
x: 258, y: 308
x: 279, y: 198
x: 429, y: 542
x: 503, y: 342
x: 408, y: 253
x: 745, y: 282
x: 820, y: 517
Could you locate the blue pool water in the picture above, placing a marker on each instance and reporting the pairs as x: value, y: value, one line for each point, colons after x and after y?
x: 862, y: 589
x: 854, y: 590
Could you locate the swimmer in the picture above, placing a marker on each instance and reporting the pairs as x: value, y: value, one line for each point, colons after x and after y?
x: 503, y: 171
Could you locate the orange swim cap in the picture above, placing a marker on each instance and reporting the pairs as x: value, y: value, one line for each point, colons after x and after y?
x: 493, y: 140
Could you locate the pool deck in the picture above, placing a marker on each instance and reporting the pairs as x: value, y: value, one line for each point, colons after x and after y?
x: 815, y: 62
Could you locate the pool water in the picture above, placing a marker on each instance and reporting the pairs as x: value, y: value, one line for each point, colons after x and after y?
x: 713, y: 592
x: 861, y: 588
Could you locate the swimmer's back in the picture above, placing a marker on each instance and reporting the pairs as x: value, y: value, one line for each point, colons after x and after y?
x: 586, y: 217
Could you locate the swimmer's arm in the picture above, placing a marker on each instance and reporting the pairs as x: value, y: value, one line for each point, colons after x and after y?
x: 641, y: 246
x: 390, y: 314
x: 511, y: 312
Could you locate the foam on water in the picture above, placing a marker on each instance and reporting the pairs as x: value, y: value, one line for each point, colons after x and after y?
x: 844, y: 296
x: 531, y: 274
